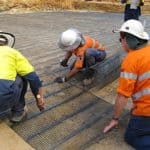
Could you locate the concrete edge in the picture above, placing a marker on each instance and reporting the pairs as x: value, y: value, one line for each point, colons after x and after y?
x: 10, y: 140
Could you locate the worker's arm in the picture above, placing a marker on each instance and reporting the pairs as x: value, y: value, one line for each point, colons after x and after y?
x: 72, y: 73
x: 65, y: 60
x: 78, y: 65
x: 40, y: 100
x: 68, y: 76
x: 36, y: 88
x: 120, y: 103
x: 26, y: 71
x: 123, y: 1
x: 141, y: 3
x: 68, y: 55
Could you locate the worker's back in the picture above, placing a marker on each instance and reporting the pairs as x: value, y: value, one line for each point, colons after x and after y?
x: 136, y: 65
x: 13, y: 63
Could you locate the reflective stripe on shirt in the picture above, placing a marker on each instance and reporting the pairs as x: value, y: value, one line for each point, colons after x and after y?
x: 144, y: 76
x: 128, y: 75
x: 141, y: 93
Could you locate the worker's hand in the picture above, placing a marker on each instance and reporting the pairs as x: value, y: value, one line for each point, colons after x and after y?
x: 102, y: 47
x: 113, y: 123
x: 141, y: 3
x: 41, y: 104
x: 60, y: 79
x: 123, y: 1
x: 64, y: 63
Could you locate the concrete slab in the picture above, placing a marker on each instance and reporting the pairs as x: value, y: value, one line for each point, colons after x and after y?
x: 113, y: 141
x: 9, y: 140
x: 109, y: 93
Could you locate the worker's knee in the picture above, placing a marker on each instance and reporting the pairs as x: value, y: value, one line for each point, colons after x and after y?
x: 96, y: 54
x: 138, y: 133
x: 89, y: 60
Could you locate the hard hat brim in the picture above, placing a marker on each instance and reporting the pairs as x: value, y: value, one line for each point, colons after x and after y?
x: 10, y: 37
x: 144, y: 36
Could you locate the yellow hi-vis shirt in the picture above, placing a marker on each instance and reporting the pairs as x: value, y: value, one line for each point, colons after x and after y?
x: 13, y: 63
x: 129, y: 2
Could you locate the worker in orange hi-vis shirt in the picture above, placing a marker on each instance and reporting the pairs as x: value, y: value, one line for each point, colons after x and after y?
x: 134, y: 82
x: 87, y: 50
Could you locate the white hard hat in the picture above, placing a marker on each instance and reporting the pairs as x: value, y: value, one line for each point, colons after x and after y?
x: 7, y: 38
x: 70, y: 39
x: 134, y: 27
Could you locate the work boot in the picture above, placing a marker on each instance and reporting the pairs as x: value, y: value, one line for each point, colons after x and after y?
x: 18, y: 117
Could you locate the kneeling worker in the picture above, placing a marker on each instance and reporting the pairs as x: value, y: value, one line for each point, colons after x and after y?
x: 15, y: 73
x: 87, y: 50
x: 134, y: 83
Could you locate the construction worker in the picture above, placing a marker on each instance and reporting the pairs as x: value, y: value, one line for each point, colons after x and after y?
x: 134, y: 83
x: 87, y: 50
x: 132, y: 9
x: 15, y: 73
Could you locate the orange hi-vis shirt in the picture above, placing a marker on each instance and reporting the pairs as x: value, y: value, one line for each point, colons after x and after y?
x: 135, y: 80
x: 80, y: 52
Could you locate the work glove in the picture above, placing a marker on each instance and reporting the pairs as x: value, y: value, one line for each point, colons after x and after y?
x: 64, y: 62
x: 60, y: 79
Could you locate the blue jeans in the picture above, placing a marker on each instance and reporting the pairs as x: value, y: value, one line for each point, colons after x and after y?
x: 93, y: 55
x: 131, y: 13
x: 14, y: 100
x: 138, y: 133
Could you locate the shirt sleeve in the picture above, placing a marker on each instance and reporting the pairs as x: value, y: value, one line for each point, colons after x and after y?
x: 128, y: 77
x: 97, y: 44
x: 34, y: 82
x: 79, y: 61
x: 23, y: 67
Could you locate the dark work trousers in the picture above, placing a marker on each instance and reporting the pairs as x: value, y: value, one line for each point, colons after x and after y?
x: 138, y: 133
x: 19, y: 106
x: 92, y: 56
x: 14, y: 100
x: 131, y: 13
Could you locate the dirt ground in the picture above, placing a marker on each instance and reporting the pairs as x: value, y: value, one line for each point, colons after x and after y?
x: 14, y: 6
x: 74, y: 117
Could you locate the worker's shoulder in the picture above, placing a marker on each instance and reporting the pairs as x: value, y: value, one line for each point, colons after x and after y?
x: 142, y: 52
x: 87, y: 37
x: 139, y: 54
x: 8, y: 49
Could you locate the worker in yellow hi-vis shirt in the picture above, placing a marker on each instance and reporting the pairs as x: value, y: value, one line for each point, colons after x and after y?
x: 15, y: 73
x: 132, y: 9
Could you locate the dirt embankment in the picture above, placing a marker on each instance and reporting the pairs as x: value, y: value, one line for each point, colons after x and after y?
x: 34, y: 5
x: 45, y: 5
